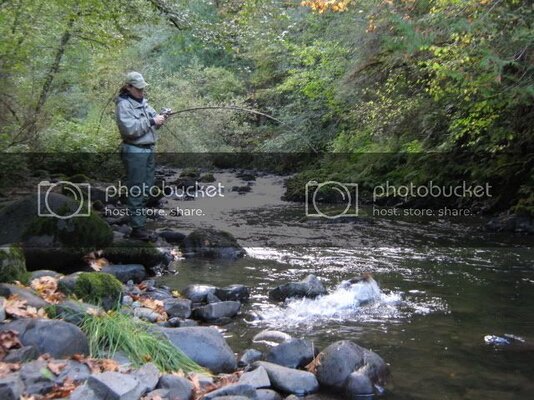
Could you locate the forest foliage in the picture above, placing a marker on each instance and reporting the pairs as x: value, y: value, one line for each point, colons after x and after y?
x: 411, y: 77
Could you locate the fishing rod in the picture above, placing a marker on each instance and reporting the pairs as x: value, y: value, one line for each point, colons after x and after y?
x: 167, y: 112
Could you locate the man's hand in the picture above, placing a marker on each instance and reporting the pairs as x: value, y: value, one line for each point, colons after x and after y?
x: 159, y: 119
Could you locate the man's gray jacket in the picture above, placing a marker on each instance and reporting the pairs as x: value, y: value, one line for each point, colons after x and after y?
x: 135, y: 121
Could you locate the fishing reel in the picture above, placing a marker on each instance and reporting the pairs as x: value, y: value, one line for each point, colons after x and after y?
x: 166, y: 112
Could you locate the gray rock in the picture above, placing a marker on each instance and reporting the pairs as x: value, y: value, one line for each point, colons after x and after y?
x: 114, y: 386
x: 75, y: 371
x: 68, y: 282
x: 127, y: 300
x: 211, y: 243
x: 204, y: 345
x: 214, y: 311
x: 177, y: 387
x: 181, y: 323
x: 83, y: 392
x: 357, y: 385
x: 337, y: 362
x: 256, y: 378
x: 268, y: 394
x: 290, y: 380
x: 295, y: 353
x: 249, y: 356
x: 309, y: 287
x: 11, y: 387
x: 198, y: 293
x: 58, y: 338
x: 148, y: 377
x: 37, y: 378
x: 236, y: 389
x: 126, y: 272
x: 44, y: 272
x: 158, y: 294
x: 162, y: 394
x: 146, y: 314
x: 233, y: 292
x: 211, y: 298
x: 74, y: 311
x: 2, y: 309
x: 342, y: 358
x: 28, y: 295
x: 24, y: 354
x: 177, y: 308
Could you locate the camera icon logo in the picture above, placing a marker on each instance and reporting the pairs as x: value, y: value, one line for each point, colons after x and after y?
x: 77, y: 190
x: 345, y: 194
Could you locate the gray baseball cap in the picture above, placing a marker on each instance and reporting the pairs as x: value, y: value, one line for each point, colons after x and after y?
x: 136, y: 80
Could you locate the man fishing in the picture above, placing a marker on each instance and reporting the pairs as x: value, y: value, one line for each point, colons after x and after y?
x: 137, y: 122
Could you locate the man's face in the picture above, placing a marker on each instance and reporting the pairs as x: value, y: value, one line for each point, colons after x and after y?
x: 136, y: 92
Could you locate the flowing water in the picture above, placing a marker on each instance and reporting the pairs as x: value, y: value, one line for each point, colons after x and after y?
x: 443, y: 285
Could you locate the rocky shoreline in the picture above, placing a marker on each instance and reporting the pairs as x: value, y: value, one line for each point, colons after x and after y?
x: 46, y: 358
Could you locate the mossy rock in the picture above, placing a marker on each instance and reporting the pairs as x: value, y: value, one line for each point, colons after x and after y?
x: 12, y: 264
x: 99, y: 288
x: 127, y: 251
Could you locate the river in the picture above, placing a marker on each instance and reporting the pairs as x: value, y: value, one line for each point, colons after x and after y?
x: 445, y: 284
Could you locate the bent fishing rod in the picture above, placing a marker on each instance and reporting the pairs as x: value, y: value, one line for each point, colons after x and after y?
x: 167, y: 112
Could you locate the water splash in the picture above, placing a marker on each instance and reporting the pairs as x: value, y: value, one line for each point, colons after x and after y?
x: 347, y: 301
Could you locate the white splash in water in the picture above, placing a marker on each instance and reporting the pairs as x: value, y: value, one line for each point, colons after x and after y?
x: 343, y: 303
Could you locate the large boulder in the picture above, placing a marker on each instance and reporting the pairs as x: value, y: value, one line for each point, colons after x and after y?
x: 310, y: 287
x: 295, y: 353
x: 12, y: 263
x: 58, y: 338
x: 337, y: 362
x: 211, y: 243
x: 289, y: 380
x: 204, y: 345
x: 47, y: 240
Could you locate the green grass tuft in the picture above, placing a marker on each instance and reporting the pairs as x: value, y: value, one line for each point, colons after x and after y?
x: 112, y: 332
